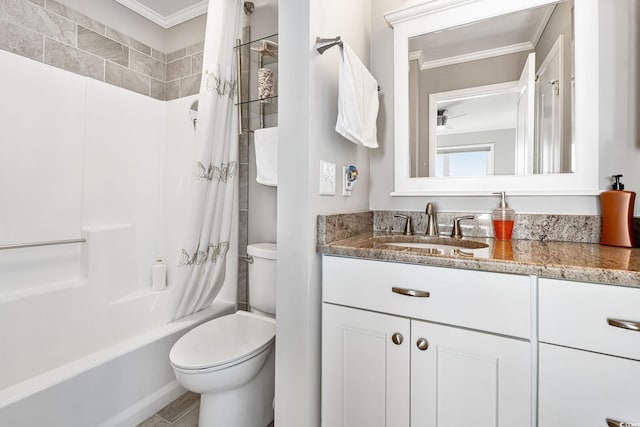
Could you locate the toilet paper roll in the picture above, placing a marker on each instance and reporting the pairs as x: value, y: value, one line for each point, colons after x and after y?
x: 265, y: 83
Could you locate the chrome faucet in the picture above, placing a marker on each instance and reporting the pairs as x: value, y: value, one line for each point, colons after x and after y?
x: 432, y: 222
x: 456, y: 233
x: 407, y: 229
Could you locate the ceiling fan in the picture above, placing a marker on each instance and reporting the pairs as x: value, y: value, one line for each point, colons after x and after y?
x: 442, y: 121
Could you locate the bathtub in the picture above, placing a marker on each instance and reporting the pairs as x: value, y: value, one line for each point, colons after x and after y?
x: 120, y: 385
x: 84, y: 341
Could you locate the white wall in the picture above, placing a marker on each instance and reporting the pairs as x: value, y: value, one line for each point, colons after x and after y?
x: 620, y: 149
x: 619, y: 93
x: 307, y: 115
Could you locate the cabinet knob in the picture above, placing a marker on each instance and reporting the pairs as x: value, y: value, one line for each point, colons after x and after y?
x: 422, y: 344
x: 397, y: 338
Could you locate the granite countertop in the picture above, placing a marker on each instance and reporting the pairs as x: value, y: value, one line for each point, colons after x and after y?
x: 586, y: 262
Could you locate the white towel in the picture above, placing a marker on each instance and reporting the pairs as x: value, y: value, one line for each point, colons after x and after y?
x: 266, y: 144
x: 357, y: 101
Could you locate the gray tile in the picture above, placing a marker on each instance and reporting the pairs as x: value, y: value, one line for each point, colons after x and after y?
x: 36, y: 18
x: 126, y: 40
x: 173, y: 90
x: 190, y: 419
x: 195, y: 48
x: 21, y: 41
x: 71, y: 59
x: 180, y: 53
x: 243, y: 148
x: 117, y: 75
x: 179, y: 407
x: 147, y: 65
x: 246, y: 33
x: 190, y: 85
x: 3, y: 10
x: 243, y: 189
x: 158, y: 90
x: 243, y: 231
x: 242, y: 282
x: 77, y: 17
x: 102, y: 46
x: 38, y: 2
x: 155, y: 421
x: 156, y: 54
x: 178, y: 69
x: 196, y: 61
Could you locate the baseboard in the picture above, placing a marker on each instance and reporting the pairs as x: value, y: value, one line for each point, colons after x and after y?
x: 146, y: 407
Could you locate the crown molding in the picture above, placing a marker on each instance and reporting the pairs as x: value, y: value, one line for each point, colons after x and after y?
x: 430, y: 6
x: 168, y: 21
x: 474, y: 56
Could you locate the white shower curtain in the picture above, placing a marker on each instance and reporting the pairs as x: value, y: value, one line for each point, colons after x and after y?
x: 202, y: 265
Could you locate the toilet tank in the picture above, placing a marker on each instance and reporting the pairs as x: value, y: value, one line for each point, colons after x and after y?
x: 262, y: 278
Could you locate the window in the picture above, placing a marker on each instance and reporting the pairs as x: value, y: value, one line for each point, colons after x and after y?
x: 465, y: 160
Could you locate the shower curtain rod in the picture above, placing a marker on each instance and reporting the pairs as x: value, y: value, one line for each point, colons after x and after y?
x: 49, y: 243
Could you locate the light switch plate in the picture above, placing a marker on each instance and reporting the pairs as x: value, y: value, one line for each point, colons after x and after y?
x: 327, y: 179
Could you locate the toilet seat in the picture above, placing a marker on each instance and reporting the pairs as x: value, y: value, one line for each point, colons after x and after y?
x: 223, y: 342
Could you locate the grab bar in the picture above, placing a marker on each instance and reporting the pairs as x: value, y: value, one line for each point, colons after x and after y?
x: 49, y: 243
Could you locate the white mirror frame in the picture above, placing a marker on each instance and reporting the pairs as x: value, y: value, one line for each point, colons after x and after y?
x: 435, y: 15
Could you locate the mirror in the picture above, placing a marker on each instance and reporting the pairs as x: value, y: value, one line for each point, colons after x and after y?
x: 478, y: 88
x: 487, y: 97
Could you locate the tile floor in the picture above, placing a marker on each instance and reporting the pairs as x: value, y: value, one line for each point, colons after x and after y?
x: 182, y: 412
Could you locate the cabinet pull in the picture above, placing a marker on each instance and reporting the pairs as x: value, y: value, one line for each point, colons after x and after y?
x: 624, y: 324
x: 422, y: 344
x: 615, y: 423
x: 397, y: 338
x: 410, y: 292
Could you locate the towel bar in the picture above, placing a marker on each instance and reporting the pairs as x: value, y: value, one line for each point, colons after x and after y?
x: 323, y: 44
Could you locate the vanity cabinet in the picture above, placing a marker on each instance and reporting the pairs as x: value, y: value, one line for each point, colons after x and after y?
x: 589, y: 360
x: 410, y: 345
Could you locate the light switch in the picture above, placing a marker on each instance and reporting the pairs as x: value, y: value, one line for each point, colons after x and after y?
x: 327, y: 179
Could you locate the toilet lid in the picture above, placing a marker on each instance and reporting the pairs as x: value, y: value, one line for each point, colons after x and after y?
x: 223, y: 340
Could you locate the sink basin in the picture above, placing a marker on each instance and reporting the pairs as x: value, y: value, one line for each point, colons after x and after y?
x: 434, y: 245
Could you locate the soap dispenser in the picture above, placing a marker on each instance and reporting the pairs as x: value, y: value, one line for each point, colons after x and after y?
x: 617, y: 215
x: 503, y: 218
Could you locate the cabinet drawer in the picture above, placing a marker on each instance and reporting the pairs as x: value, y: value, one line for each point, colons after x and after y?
x: 491, y: 302
x: 580, y: 388
x: 578, y: 314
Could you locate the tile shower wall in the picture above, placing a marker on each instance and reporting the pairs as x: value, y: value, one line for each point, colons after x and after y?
x: 57, y: 35
x: 243, y: 196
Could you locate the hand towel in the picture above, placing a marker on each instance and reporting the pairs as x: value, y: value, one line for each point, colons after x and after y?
x: 357, y: 100
x: 266, y: 145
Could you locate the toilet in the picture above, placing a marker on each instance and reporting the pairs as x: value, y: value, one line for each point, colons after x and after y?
x: 230, y: 360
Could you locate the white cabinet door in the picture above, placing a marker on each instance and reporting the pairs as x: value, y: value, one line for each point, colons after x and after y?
x: 467, y: 378
x: 365, y: 374
x: 580, y: 388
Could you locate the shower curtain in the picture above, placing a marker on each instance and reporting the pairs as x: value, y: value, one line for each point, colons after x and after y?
x: 202, y: 264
